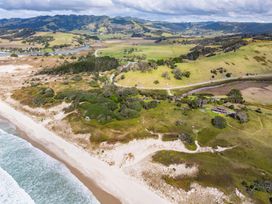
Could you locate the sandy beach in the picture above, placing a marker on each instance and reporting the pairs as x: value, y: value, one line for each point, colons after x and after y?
x: 101, y: 195
x: 109, y: 184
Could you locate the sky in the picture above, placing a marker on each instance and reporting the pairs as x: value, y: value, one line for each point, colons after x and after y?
x: 163, y: 10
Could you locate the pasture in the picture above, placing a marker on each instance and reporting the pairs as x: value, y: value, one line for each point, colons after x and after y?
x: 252, y: 59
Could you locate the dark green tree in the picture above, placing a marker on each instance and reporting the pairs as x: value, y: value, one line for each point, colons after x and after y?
x: 219, y: 122
x: 235, y: 96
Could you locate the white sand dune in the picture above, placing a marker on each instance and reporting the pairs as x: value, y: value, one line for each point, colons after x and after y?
x: 129, y: 154
x: 109, y: 178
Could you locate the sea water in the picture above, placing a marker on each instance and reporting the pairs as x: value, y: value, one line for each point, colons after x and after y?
x: 28, y: 176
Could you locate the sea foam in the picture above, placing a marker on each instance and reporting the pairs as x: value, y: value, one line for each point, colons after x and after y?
x: 44, y: 179
x: 10, y: 191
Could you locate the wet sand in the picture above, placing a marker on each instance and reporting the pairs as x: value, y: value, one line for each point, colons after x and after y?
x: 241, y: 85
x: 101, y: 195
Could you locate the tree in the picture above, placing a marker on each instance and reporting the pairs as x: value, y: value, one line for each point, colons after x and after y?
x: 194, y: 55
x: 235, y: 96
x: 166, y: 75
x: 228, y: 75
x: 156, y: 82
x: 178, y: 74
x: 14, y: 55
x: 171, y: 64
x: 160, y: 62
x: 150, y: 105
x: 88, y: 63
x: 219, y: 122
x: 187, y: 74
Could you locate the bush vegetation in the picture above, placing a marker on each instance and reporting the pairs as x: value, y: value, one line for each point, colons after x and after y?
x: 235, y: 96
x: 219, y: 122
x: 35, y: 96
x: 88, y: 63
x: 178, y: 74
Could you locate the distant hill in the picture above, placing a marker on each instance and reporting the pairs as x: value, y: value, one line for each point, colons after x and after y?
x: 128, y: 25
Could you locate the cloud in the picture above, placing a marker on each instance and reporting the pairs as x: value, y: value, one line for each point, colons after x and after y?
x: 199, y: 7
x: 171, y: 10
x: 50, y: 5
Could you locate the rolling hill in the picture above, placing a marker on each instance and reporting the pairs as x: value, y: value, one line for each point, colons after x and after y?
x: 128, y: 25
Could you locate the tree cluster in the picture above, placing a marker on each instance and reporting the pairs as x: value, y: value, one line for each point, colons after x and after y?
x: 89, y: 63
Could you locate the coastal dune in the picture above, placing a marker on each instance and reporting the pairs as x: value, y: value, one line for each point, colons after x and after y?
x: 111, y: 179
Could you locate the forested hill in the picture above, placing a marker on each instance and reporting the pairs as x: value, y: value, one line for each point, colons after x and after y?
x: 107, y: 25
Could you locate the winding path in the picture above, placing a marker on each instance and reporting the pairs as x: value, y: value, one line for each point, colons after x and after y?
x: 132, y: 153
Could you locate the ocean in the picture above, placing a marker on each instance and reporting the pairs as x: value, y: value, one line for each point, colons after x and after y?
x: 27, y: 175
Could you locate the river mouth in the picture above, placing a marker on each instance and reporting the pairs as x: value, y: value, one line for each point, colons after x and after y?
x: 241, y: 85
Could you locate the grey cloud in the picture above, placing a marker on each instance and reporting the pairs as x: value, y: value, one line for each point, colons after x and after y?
x: 50, y: 5
x: 173, y: 10
x: 199, y: 7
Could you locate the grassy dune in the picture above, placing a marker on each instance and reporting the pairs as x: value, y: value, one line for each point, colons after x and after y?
x: 126, y: 130
x: 249, y: 161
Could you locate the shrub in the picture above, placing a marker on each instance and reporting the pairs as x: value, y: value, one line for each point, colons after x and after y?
x: 14, y: 55
x: 77, y: 78
x: 94, y: 83
x: 150, y: 105
x: 166, y: 75
x: 127, y: 113
x: 48, y: 92
x: 198, y: 102
x: 178, y: 74
x: 187, y: 74
x: 107, y: 104
x: 219, y: 122
x: 134, y: 104
x: 228, y: 75
x: 171, y: 64
x: 122, y: 77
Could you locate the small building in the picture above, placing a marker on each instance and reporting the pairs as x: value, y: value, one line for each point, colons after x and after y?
x: 221, y: 110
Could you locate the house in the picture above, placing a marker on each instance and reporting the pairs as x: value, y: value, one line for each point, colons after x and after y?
x: 222, y: 110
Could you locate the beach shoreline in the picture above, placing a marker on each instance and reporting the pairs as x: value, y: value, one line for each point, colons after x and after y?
x: 108, y: 184
x: 102, y: 196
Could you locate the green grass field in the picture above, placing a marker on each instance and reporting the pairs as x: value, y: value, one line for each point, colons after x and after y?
x: 249, y: 161
x: 152, y: 51
x: 256, y: 58
x: 59, y: 38
x: 4, y: 43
